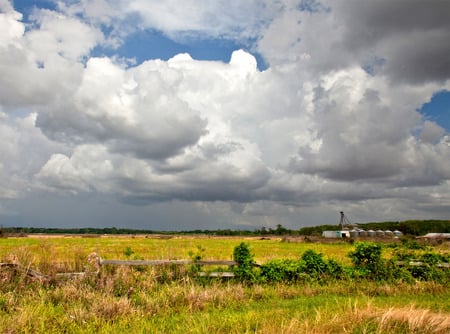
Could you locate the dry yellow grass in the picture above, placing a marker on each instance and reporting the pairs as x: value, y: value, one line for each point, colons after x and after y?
x: 362, y: 319
x: 417, y: 320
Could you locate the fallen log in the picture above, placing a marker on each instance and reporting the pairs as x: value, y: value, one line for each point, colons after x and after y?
x: 28, y: 271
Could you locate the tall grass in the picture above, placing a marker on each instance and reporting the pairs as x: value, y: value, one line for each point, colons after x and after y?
x: 163, y: 300
x: 102, y: 306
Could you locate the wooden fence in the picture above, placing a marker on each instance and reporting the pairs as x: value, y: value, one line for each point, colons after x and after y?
x: 219, y: 274
x: 96, y: 262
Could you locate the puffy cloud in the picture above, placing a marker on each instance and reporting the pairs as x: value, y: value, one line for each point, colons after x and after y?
x: 431, y: 132
x: 132, y: 111
x: 409, y: 35
x: 42, y: 64
x: 11, y: 27
x: 403, y: 40
x: 189, y: 20
x: 162, y: 129
x: 332, y: 122
x: 61, y: 35
x: 358, y: 133
x: 23, y: 151
x: 225, y: 19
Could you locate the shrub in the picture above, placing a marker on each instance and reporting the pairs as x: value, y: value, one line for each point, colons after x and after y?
x: 245, y: 260
x: 427, y: 270
x: 311, y: 266
x: 415, y: 245
x: 431, y: 258
x: 367, y: 256
x: 314, y: 263
x: 334, y: 269
x: 278, y: 270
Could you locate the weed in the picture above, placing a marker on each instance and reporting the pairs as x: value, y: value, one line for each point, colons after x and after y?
x: 196, y: 256
x: 128, y: 252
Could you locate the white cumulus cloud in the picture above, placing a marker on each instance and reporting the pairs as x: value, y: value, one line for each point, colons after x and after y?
x: 332, y: 123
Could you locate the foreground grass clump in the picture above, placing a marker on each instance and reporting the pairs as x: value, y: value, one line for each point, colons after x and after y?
x: 307, y: 291
x: 133, y: 301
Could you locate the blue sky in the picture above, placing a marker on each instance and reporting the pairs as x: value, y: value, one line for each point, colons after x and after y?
x: 152, y: 44
x: 223, y: 114
x: 438, y: 109
x: 144, y: 44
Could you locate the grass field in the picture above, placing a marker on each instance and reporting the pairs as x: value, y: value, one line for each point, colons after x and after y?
x: 68, y: 250
x: 136, y: 300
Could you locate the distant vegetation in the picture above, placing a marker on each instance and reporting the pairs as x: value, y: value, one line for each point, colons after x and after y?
x: 409, y: 227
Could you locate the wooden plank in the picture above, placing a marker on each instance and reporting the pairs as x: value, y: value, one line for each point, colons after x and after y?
x: 143, y: 262
x: 166, y: 262
x: 421, y: 264
x: 218, y: 274
x: 71, y: 275
x: 27, y: 271
x: 36, y: 274
x: 216, y: 262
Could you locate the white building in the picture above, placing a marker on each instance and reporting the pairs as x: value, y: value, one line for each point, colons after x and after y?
x: 336, y: 234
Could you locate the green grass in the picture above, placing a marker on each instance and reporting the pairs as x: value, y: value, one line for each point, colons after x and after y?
x: 223, y: 308
x: 141, y: 300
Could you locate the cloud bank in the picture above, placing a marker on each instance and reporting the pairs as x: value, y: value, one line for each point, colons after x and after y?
x: 333, y: 122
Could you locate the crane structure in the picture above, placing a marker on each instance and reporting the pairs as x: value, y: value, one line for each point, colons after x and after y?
x: 344, y: 222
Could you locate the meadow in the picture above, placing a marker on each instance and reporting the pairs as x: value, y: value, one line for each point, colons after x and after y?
x: 171, y: 300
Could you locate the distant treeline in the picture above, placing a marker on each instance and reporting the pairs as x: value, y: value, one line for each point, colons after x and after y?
x: 279, y: 230
x: 409, y: 227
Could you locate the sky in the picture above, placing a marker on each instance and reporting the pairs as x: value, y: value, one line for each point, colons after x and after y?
x: 195, y: 114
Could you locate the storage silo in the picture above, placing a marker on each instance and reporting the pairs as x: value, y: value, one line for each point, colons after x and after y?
x: 397, y: 233
x: 354, y: 233
x: 379, y: 233
x: 371, y: 233
x: 389, y: 233
x: 362, y: 233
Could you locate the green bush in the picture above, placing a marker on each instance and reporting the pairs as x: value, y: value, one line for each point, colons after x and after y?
x: 278, y: 270
x: 311, y: 266
x: 244, y: 271
x: 367, y: 256
x: 335, y: 270
x: 314, y: 264
x: 431, y: 258
x: 428, y: 270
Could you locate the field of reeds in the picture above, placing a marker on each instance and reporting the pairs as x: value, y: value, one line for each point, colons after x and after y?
x: 150, y: 299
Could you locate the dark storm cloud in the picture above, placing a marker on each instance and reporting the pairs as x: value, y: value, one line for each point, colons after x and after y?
x: 410, y: 35
x: 360, y: 140
x: 146, y: 142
